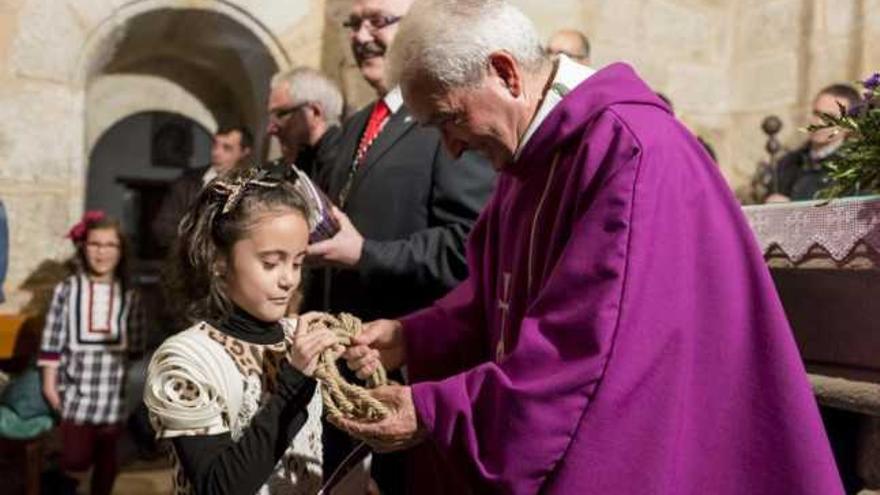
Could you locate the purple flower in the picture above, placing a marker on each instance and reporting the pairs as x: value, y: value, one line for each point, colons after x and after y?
x: 872, y: 82
x: 855, y: 110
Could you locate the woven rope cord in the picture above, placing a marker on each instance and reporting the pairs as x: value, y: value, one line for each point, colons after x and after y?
x: 343, y: 399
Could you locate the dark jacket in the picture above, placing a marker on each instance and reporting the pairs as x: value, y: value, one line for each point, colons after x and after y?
x: 800, y: 176
x: 180, y: 197
x: 414, y: 206
x: 317, y: 161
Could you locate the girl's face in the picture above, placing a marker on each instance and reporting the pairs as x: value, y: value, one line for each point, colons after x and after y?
x: 103, y: 251
x: 265, y: 267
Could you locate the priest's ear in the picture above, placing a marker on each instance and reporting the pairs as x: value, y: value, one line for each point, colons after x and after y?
x: 507, y: 70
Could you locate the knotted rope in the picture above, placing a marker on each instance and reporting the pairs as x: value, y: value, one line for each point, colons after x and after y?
x: 342, y: 399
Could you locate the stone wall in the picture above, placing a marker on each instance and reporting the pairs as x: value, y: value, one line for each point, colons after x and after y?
x: 725, y: 64
x: 57, y: 54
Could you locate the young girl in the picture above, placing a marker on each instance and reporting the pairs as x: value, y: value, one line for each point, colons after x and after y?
x: 92, y: 326
x: 233, y: 392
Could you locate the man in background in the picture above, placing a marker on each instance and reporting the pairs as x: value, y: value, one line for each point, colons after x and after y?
x: 305, y: 108
x: 230, y: 146
x: 572, y: 43
x: 800, y: 174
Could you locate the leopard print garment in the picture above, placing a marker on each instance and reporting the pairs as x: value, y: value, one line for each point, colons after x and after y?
x: 299, y: 469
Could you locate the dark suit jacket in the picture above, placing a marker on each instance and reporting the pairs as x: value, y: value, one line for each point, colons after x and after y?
x: 414, y: 206
x: 318, y: 160
x: 182, y: 194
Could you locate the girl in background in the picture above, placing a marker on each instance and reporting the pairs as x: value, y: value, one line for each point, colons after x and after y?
x: 92, y: 328
x: 233, y: 393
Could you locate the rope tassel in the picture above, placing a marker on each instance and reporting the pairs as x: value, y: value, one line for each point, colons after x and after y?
x: 343, y: 399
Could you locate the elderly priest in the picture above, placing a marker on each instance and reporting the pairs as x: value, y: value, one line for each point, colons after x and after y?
x: 619, y: 332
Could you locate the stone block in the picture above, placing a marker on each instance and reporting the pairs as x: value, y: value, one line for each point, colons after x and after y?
x: 769, y: 81
x: 39, y: 216
x: 48, y: 41
x: 41, y: 129
x: 699, y: 88
x: 685, y: 33
x: 769, y: 27
x: 552, y: 16
x: 90, y: 13
x: 840, y: 17
x: 279, y: 17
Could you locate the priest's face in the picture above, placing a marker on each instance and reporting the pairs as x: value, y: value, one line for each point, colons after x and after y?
x: 483, y: 117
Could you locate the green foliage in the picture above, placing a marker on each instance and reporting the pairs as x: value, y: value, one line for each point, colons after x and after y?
x: 855, y: 168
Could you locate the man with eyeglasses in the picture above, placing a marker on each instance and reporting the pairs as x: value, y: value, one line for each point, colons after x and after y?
x: 406, y: 208
x: 305, y: 108
x: 572, y: 43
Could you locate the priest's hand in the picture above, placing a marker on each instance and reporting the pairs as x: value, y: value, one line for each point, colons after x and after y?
x: 343, y: 249
x: 399, y: 430
x: 380, y: 340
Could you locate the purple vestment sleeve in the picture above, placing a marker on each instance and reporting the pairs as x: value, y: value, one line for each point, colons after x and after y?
x: 460, y: 344
x: 455, y: 348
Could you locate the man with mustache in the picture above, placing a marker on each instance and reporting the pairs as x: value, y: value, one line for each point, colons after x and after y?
x: 406, y: 207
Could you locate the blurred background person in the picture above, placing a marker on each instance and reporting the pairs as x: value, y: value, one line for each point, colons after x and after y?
x: 800, y: 174
x: 230, y: 146
x: 93, y: 328
x: 571, y: 42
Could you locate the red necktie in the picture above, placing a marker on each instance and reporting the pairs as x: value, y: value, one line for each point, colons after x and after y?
x: 374, y: 126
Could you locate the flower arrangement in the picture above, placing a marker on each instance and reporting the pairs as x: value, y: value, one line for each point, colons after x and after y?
x: 855, y: 168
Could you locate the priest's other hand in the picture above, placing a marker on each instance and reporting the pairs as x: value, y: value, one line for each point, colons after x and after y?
x: 399, y: 430
x: 343, y: 249
x: 382, y: 339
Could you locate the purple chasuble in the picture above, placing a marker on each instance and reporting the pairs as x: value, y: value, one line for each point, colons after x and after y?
x: 619, y: 332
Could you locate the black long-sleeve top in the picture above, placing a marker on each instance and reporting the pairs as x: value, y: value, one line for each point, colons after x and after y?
x: 215, y: 464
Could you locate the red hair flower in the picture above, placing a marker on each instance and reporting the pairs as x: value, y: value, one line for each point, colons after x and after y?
x: 77, y: 233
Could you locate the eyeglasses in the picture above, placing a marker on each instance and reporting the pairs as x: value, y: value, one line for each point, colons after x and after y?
x: 373, y: 23
x: 97, y: 246
x: 280, y: 114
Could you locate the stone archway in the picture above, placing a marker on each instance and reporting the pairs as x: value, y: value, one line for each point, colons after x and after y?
x: 209, y: 55
x: 129, y: 171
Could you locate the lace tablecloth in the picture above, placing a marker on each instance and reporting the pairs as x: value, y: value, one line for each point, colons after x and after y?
x: 837, y: 227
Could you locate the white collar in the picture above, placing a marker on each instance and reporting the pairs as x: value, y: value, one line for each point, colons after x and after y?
x: 394, y: 99
x: 569, y: 75
x: 210, y: 174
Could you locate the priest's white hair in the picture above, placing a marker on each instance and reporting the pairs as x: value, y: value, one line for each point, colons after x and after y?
x: 449, y: 41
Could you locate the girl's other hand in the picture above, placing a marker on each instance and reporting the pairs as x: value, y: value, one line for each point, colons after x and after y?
x: 307, y: 348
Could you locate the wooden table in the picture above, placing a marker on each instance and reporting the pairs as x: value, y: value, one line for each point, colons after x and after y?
x: 825, y: 262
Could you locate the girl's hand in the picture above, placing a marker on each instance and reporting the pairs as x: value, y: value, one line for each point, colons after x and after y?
x: 307, y: 348
x: 52, y: 397
x: 50, y: 388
